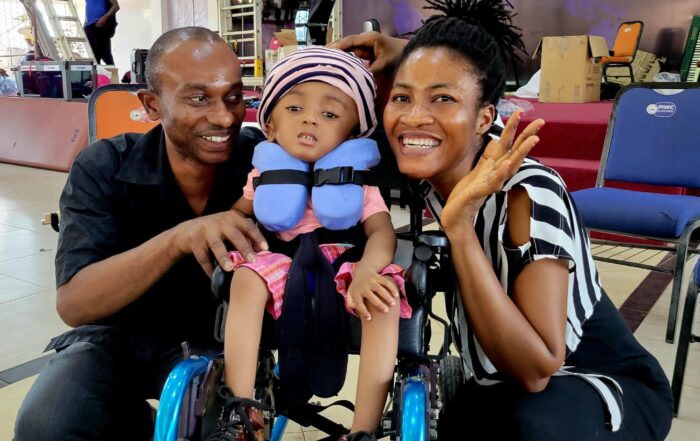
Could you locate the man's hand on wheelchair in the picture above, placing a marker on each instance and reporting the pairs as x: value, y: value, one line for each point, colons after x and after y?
x: 209, y: 234
x: 370, y: 288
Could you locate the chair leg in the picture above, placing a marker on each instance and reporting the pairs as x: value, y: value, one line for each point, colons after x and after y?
x: 629, y: 66
x: 681, y: 255
x: 684, y: 339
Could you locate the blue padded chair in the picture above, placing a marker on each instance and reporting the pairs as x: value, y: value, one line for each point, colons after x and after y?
x: 685, y: 337
x: 653, y: 138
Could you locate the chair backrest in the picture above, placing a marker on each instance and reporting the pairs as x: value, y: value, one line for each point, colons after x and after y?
x: 115, y: 109
x: 627, y: 39
x: 654, y: 136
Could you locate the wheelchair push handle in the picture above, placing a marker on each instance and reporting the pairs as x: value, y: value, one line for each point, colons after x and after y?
x: 430, y: 249
x: 220, y: 282
x: 436, y: 240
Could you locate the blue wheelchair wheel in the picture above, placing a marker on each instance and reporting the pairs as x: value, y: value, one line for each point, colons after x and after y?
x: 413, y: 406
x: 172, y: 399
x: 186, y: 405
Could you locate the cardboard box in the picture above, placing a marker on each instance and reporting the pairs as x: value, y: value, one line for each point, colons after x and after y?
x: 571, y: 71
x: 288, y: 40
x: 283, y: 51
x: 287, y: 37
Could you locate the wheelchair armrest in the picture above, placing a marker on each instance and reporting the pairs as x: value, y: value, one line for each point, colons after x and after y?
x: 414, y: 334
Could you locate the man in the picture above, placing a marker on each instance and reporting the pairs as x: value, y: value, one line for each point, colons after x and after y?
x: 141, y: 215
x: 100, y: 25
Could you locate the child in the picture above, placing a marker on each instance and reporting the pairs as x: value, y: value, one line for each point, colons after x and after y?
x: 313, y: 101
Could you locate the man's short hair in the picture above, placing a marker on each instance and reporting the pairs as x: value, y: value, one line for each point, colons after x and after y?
x: 166, y: 42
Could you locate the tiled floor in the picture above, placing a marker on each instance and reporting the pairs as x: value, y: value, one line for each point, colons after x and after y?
x: 28, y: 318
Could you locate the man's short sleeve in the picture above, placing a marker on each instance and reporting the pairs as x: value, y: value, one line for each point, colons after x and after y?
x: 88, y: 228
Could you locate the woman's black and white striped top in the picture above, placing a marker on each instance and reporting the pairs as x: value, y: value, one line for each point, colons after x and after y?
x: 556, y: 232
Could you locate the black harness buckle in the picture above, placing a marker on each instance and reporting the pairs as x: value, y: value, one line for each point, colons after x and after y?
x: 334, y: 176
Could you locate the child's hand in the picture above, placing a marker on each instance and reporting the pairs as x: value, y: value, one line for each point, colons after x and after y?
x: 370, y: 288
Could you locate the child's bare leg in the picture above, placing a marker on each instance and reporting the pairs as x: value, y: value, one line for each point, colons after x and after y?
x: 380, y: 340
x: 244, y: 320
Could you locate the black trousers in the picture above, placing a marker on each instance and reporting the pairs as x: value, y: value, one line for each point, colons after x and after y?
x: 91, y: 391
x: 569, y: 409
x: 101, y: 42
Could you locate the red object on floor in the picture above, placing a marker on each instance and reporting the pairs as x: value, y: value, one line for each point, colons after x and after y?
x: 42, y: 132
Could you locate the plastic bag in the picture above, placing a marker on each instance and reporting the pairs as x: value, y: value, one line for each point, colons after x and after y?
x: 667, y: 77
x: 506, y: 107
x: 531, y: 89
x: 8, y: 86
x: 104, y: 76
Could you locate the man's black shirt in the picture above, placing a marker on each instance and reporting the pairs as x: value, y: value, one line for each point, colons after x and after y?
x: 120, y: 193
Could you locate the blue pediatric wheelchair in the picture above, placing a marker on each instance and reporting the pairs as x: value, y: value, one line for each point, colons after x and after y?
x: 191, y: 399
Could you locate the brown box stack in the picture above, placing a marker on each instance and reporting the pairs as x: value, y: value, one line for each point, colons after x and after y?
x: 571, y: 72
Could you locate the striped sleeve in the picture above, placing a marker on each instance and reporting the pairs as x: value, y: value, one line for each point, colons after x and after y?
x: 551, y: 231
x: 556, y: 232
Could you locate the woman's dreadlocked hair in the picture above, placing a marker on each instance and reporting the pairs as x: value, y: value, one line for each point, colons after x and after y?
x: 479, y: 30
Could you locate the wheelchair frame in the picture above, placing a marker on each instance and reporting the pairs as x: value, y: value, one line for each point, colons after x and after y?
x: 416, y: 396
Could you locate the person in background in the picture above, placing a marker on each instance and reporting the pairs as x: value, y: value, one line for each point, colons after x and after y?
x: 8, y: 86
x: 100, y: 26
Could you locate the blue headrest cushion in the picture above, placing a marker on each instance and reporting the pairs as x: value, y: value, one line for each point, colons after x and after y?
x: 278, y: 207
x: 339, y: 207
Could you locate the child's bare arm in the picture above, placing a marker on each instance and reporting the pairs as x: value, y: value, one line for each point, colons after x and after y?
x: 368, y: 287
x: 381, y: 242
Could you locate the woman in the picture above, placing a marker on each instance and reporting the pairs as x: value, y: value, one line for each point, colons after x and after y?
x: 549, y: 354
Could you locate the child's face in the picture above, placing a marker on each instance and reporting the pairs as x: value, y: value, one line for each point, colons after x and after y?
x: 312, y: 119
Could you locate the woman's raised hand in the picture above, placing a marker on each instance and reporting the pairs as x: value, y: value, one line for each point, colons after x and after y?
x: 499, y: 162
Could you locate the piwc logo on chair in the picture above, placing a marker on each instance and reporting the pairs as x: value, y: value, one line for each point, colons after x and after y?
x: 662, y: 110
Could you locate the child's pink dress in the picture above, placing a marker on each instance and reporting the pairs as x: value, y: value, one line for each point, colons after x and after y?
x: 274, y: 267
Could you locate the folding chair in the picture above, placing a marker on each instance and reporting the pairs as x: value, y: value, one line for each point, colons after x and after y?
x: 114, y: 109
x: 624, y: 48
x: 685, y: 337
x: 653, y: 138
